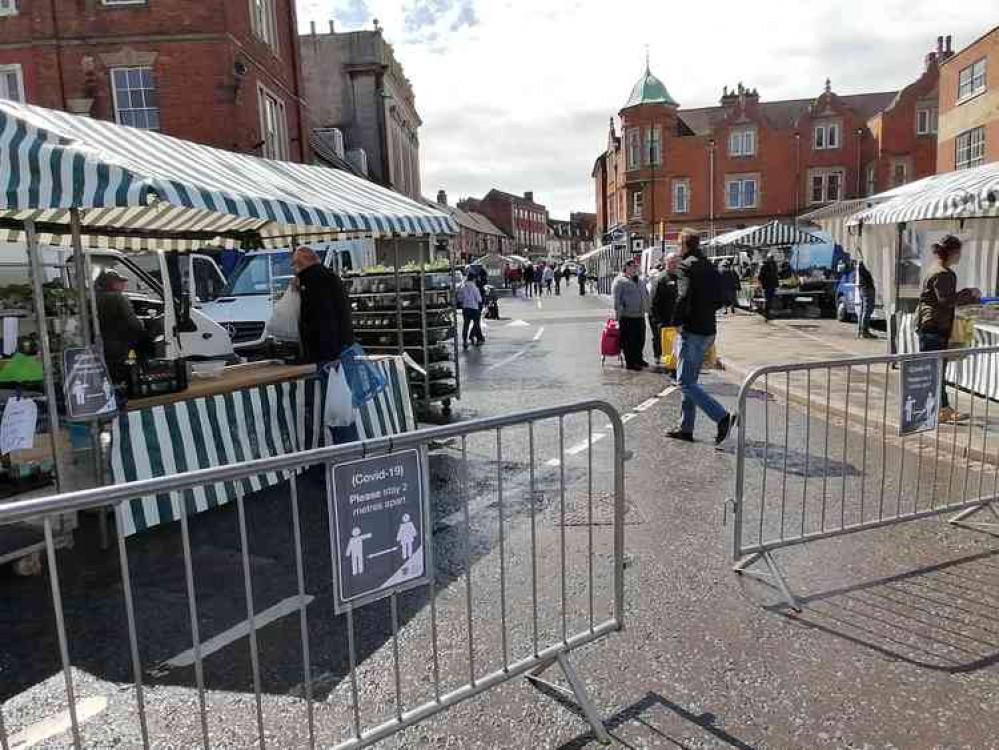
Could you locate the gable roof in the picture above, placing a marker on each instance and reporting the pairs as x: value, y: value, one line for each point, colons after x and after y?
x: 783, y: 114
x: 471, y: 220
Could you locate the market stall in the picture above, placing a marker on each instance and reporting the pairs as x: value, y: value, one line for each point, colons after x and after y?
x: 79, y: 183
x: 895, y: 238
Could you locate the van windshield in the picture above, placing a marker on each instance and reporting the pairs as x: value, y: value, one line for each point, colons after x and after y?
x: 264, y: 273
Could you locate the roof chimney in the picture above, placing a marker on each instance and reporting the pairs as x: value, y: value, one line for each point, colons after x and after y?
x: 949, y: 51
x: 529, y: 196
x: 442, y: 197
x: 940, y: 45
x: 332, y: 26
x: 312, y: 27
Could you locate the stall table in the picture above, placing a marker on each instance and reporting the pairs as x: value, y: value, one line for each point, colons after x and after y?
x: 250, y: 412
x: 962, y: 372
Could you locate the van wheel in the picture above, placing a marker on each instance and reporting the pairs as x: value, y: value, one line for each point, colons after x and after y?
x: 842, y: 315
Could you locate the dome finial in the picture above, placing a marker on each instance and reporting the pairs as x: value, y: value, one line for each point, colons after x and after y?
x: 648, y: 67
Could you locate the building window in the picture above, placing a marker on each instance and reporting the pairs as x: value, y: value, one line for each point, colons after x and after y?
x: 899, y: 173
x: 742, y: 142
x: 970, y: 148
x: 135, y: 101
x: 681, y: 196
x: 826, y: 186
x: 273, y: 126
x: 264, y: 22
x: 971, y: 80
x: 11, y: 83
x: 634, y: 148
x: 741, y: 192
x: 826, y: 136
x: 637, y: 200
x: 653, y: 146
x: 926, y: 121
x: 8, y: 7
x: 871, y: 179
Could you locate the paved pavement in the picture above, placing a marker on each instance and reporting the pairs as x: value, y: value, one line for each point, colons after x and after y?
x: 897, y: 645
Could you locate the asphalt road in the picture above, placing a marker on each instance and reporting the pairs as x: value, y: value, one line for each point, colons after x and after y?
x: 897, y: 646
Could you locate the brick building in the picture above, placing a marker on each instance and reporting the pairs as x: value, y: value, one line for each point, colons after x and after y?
x: 747, y: 161
x: 223, y: 73
x: 969, y: 106
x: 572, y: 238
x: 523, y: 220
x: 477, y: 235
x: 355, y: 84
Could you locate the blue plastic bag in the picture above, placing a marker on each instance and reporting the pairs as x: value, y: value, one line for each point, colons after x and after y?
x: 364, y: 378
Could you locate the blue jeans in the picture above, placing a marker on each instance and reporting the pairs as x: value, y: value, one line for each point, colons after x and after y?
x: 930, y: 341
x: 693, y: 347
x: 866, y: 311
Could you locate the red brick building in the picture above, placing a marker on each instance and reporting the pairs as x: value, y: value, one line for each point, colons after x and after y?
x: 523, y: 220
x: 747, y: 161
x: 969, y: 106
x: 220, y: 72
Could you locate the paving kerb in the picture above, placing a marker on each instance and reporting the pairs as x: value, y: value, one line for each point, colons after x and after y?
x: 961, y: 450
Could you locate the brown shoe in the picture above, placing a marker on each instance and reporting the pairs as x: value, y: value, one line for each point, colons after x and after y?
x: 949, y: 416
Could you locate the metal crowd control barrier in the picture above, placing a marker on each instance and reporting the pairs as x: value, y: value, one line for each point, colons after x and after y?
x: 831, y: 458
x: 558, y: 546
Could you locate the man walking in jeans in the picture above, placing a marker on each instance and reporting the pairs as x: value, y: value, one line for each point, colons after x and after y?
x: 700, y: 298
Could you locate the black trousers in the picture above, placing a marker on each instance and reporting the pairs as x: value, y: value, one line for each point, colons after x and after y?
x: 632, y: 340
x: 657, y: 340
x: 936, y: 342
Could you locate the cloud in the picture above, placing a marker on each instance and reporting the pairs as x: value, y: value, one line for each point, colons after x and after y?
x: 516, y: 94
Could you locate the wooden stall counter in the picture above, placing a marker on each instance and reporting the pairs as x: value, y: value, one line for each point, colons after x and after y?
x: 234, y: 378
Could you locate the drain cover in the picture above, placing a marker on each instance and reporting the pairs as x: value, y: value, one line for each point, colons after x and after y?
x: 577, y: 511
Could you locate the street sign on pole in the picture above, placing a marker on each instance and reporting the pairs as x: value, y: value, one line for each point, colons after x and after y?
x: 919, y: 395
x: 88, y: 389
x: 379, y: 527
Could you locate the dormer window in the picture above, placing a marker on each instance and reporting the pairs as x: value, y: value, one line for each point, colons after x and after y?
x: 742, y: 142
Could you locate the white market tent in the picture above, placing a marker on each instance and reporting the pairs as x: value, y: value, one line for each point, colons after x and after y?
x: 138, y: 189
x: 773, y: 234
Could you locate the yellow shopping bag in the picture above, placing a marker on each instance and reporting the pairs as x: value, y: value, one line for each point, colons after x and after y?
x: 670, y: 338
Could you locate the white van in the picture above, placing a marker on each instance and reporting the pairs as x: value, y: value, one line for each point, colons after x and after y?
x: 198, y: 337
x: 245, y: 304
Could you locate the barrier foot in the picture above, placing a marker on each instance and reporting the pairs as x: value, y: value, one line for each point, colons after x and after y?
x: 988, y: 528
x: 578, y: 693
x: 775, y: 578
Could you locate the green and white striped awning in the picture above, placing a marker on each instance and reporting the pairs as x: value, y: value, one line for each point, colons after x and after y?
x: 774, y: 234
x: 965, y: 194
x: 136, y: 186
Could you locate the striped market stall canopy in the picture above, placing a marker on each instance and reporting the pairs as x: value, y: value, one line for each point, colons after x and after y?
x: 965, y: 194
x: 851, y: 206
x: 774, y: 234
x: 138, y: 189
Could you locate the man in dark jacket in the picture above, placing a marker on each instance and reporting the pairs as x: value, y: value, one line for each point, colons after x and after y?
x: 664, y: 293
x: 325, y: 324
x: 700, y: 297
x: 865, y: 284
x: 769, y: 281
x: 121, y: 330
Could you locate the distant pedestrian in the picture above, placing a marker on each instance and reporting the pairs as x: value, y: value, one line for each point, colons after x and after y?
x: 558, y: 282
x: 731, y: 284
x: 868, y: 295
x: 631, y: 305
x: 539, y: 279
x: 528, y: 280
x: 696, y: 306
x: 548, y: 275
x: 937, y: 309
x: 581, y: 280
x: 769, y: 281
x: 663, y: 301
x: 470, y: 302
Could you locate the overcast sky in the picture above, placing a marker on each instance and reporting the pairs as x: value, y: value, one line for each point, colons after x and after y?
x: 516, y: 94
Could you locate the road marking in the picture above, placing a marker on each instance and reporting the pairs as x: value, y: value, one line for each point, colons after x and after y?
x: 625, y: 418
x: 647, y: 404
x: 554, y: 463
x: 223, y: 639
x: 576, y: 449
x: 537, y: 336
x: 518, y: 324
x: 539, y: 304
x: 53, y: 726
x: 668, y: 391
x: 508, y: 360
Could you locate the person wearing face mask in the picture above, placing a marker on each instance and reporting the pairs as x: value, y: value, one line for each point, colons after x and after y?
x: 631, y: 305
